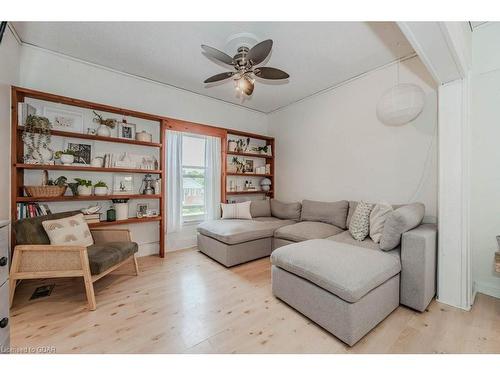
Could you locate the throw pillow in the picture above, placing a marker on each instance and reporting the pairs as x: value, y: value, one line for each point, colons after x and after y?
x: 334, y: 213
x: 72, y: 231
x: 236, y: 210
x: 400, y: 221
x: 377, y: 220
x: 360, y: 221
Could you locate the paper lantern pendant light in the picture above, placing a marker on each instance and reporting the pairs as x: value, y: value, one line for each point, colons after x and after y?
x: 401, y: 104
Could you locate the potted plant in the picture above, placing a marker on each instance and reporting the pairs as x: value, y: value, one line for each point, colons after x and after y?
x: 84, y: 187
x: 36, y: 137
x: 261, y: 149
x: 101, y: 188
x: 67, y: 157
x: 104, y: 125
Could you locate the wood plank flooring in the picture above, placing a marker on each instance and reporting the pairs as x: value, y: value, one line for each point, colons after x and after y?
x: 188, y: 303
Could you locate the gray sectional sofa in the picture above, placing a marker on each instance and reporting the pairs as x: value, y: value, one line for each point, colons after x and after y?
x: 344, y: 285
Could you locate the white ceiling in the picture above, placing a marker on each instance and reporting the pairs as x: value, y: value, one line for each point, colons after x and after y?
x: 317, y: 55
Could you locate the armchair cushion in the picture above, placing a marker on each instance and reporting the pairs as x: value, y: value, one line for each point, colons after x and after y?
x: 31, y: 232
x: 104, y: 256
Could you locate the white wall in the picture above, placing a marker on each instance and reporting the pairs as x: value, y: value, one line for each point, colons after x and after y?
x: 332, y: 146
x: 9, y: 75
x: 485, y: 157
x: 54, y: 73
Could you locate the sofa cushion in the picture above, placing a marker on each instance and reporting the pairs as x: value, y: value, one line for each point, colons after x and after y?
x: 334, y: 213
x: 104, y: 256
x: 377, y: 220
x: 260, y: 208
x: 347, y: 271
x: 287, y: 211
x: 306, y: 230
x: 31, y: 232
x: 399, y: 221
x: 232, y: 232
x: 346, y: 237
x: 236, y: 210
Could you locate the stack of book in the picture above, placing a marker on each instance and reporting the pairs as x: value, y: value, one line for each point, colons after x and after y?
x: 92, y: 218
x: 26, y: 210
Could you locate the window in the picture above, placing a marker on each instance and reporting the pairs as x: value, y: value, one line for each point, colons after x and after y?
x: 193, y: 178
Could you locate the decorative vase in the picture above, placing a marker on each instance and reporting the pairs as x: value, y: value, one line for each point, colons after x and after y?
x: 143, y: 136
x: 84, y: 190
x: 103, y: 131
x: 111, y: 214
x: 67, y: 159
x: 231, y: 146
x: 121, y: 211
x: 101, y: 190
x: 97, y: 162
x: 44, y: 155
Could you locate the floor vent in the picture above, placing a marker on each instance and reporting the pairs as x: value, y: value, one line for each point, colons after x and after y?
x: 42, y: 291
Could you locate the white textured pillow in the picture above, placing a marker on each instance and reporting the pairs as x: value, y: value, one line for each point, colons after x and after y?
x: 377, y: 220
x: 236, y: 210
x: 359, y: 226
x: 72, y: 231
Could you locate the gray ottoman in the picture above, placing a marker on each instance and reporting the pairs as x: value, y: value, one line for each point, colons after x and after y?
x: 345, y: 289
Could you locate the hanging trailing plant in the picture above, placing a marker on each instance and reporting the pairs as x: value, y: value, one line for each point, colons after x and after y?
x: 36, y: 136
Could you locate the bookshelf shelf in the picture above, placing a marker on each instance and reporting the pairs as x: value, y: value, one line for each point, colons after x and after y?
x: 59, y: 133
x: 249, y: 192
x: 250, y: 155
x: 131, y: 220
x: 59, y: 167
x: 70, y: 198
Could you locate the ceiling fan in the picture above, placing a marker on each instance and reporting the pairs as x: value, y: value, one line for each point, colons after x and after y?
x: 244, y: 63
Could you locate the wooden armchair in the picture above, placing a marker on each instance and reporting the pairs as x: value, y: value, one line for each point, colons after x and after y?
x: 35, y: 258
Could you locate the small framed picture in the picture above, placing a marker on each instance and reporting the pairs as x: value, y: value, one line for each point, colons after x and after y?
x: 61, y: 119
x: 248, y: 166
x: 142, y: 210
x: 123, y: 184
x: 82, y: 149
x: 126, y: 130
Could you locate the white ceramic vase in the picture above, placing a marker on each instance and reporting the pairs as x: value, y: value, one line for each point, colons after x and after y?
x: 84, y: 190
x: 231, y: 146
x: 100, y: 190
x: 103, y: 131
x: 67, y: 159
x: 121, y: 211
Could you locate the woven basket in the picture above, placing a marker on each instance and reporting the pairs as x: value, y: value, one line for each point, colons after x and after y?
x: 45, y: 191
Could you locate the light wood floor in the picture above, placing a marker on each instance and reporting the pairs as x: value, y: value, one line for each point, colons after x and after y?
x: 188, y: 303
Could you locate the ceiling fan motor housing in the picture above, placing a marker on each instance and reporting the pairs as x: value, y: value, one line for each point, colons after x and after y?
x: 240, y: 59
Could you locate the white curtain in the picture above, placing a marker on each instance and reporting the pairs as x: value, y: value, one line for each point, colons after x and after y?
x: 212, y: 177
x: 174, y: 181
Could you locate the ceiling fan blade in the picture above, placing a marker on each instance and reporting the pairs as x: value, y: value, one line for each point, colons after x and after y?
x: 259, y: 52
x: 219, y: 77
x: 270, y: 73
x: 219, y: 55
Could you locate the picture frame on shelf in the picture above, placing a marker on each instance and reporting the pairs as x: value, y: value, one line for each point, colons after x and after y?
x: 123, y: 184
x: 126, y: 130
x: 142, y: 210
x: 248, y: 166
x: 83, y: 151
x: 64, y: 120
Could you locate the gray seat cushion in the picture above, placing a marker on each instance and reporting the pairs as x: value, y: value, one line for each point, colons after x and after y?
x: 347, y: 271
x: 334, y: 213
x: 236, y: 231
x: 346, y: 237
x: 306, y: 230
x: 104, y: 256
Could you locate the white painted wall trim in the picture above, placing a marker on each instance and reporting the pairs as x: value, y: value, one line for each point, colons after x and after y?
x: 454, y: 255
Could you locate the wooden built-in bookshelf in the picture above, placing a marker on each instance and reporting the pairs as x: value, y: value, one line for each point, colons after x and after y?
x: 269, y: 159
x: 18, y: 166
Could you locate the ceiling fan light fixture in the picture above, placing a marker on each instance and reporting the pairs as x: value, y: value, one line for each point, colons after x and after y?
x: 245, y: 85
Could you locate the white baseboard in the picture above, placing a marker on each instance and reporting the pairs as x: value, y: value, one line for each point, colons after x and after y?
x: 487, y: 288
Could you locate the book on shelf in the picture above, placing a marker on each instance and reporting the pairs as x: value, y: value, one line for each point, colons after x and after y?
x: 92, y: 218
x: 27, y: 210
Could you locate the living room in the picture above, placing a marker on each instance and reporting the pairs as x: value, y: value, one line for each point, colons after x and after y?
x: 256, y: 187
